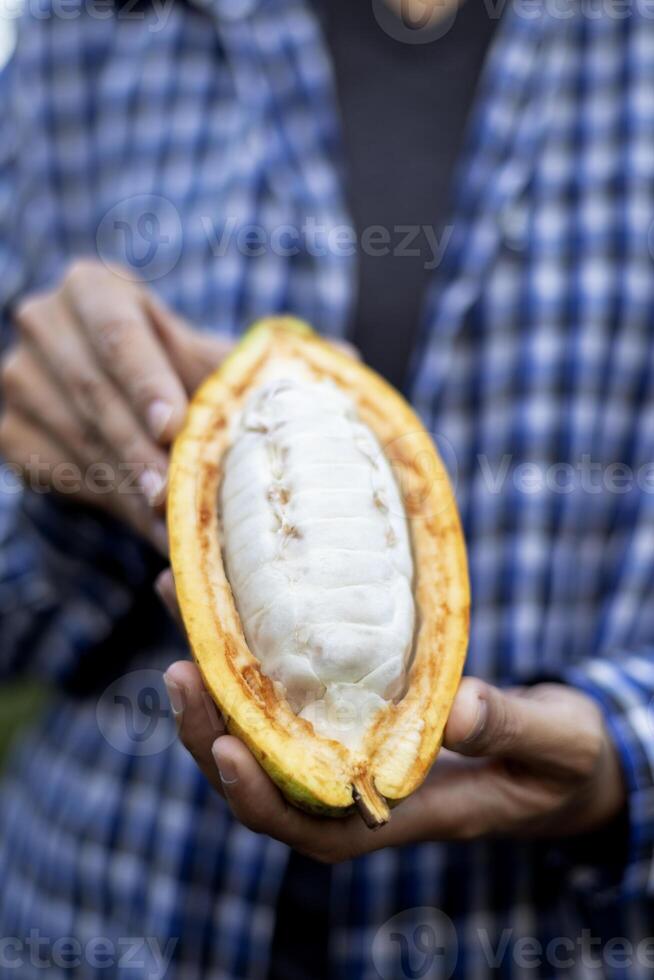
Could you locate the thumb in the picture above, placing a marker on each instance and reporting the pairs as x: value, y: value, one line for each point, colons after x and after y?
x: 486, y: 721
x: 194, y: 353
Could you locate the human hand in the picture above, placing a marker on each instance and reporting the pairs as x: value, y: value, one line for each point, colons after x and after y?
x: 534, y: 762
x: 96, y: 388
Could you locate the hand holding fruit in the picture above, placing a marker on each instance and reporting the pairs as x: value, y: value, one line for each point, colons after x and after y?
x: 530, y: 763
x: 98, y: 380
x: 305, y: 601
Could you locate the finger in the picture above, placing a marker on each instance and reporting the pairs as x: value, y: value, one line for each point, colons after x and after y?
x: 258, y: 804
x: 45, y: 465
x: 196, y: 715
x: 32, y: 396
x: 345, y: 347
x: 450, y: 808
x: 55, y: 449
x: 47, y: 329
x: 30, y: 391
x: 440, y: 811
x: 253, y: 797
x: 233, y: 771
x: 29, y: 450
x: 194, y: 353
x: 165, y: 588
x: 114, y: 318
x: 460, y: 802
x: 39, y: 458
x: 485, y: 721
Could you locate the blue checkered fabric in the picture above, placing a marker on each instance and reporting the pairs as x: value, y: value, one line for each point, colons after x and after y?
x: 161, y: 137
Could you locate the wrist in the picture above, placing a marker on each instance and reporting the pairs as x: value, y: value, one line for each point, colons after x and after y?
x: 606, y: 796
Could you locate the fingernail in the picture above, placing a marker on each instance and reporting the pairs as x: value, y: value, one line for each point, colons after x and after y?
x: 175, y: 696
x: 158, y: 415
x: 226, y: 768
x: 152, y: 484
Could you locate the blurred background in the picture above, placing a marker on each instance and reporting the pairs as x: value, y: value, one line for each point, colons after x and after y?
x: 9, y: 10
x: 18, y: 702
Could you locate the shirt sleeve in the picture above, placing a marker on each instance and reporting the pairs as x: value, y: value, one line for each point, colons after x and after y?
x: 622, y: 684
x: 67, y: 575
x: 13, y: 266
x: 618, y: 674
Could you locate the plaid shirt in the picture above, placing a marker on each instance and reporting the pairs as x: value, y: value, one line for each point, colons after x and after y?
x: 157, y: 138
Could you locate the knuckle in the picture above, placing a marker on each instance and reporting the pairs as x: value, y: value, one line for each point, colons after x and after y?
x: 113, y: 335
x: 11, y: 374
x: 587, y: 751
x: 31, y: 315
x: 585, y: 737
x: 135, y: 451
x: 249, y: 817
x: 79, y: 271
x: 5, y: 435
x: 123, y: 272
x: 504, y: 730
x: 86, y: 276
x: 89, y: 392
x: 254, y: 822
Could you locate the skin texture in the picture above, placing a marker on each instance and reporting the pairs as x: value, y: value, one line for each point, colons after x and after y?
x: 424, y: 12
x: 96, y: 387
x: 532, y: 763
x: 101, y: 373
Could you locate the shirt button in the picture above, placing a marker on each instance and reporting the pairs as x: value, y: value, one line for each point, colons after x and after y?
x: 233, y: 10
x: 514, y: 225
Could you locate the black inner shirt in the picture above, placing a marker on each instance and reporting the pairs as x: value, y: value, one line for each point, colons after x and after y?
x: 403, y: 110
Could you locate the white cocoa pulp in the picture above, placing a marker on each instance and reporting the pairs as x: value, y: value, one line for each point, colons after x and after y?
x: 317, y: 553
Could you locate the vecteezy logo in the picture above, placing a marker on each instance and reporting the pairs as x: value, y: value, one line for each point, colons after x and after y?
x: 141, y: 237
x: 149, y: 231
x: 148, y: 706
x: 415, y: 21
x: 134, y: 716
x: 416, y: 944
